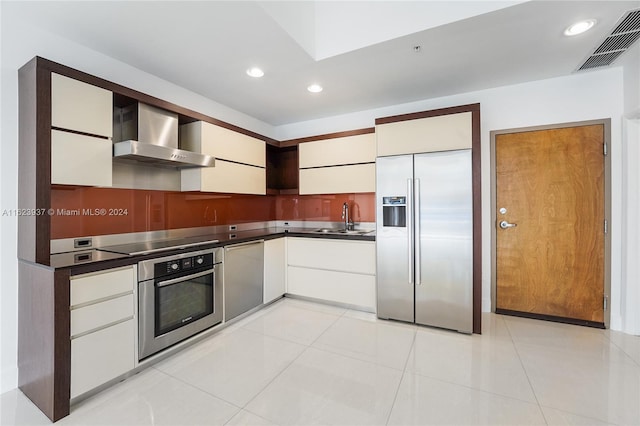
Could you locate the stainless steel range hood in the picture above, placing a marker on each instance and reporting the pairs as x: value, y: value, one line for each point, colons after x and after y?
x: 150, y: 135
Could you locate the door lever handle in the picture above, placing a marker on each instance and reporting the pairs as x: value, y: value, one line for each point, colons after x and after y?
x: 504, y: 224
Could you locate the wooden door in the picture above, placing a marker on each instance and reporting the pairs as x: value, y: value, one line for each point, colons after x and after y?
x: 551, y: 183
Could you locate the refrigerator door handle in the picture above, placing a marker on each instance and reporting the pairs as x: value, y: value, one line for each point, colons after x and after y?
x: 416, y: 230
x: 409, y: 212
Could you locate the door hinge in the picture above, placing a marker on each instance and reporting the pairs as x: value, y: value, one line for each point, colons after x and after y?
x: 605, y: 149
x: 606, y: 299
x: 606, y: 226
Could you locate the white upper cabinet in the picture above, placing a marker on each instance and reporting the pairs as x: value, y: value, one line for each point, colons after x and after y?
x: 339, y: 151
x: 225, y: 144
x: 80, y: 160
x: 339, y: 165
x: 81, y: 107
x: 432, y: 134
x: 226, y: 177
x: 338, y: 179
x: 240, y: 160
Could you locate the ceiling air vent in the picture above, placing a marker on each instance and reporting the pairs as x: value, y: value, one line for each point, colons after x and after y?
x: 626, y: 32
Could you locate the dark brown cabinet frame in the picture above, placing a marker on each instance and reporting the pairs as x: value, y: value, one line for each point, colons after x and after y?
x: 477, y: 200
x: 44, y: 345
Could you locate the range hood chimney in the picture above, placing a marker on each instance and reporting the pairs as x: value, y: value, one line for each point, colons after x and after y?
x: 148, y: 134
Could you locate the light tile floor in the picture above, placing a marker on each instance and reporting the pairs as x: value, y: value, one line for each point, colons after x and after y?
x: 302, y: 363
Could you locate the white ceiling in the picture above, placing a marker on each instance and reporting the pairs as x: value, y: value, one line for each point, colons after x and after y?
x: 360, y: 51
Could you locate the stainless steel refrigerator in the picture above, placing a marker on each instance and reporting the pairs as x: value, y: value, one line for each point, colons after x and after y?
x: 424, y: 239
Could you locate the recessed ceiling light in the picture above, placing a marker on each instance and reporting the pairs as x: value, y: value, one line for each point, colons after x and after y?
x: 255, y: 72
x: 315, y: 88
x: 579, y: 27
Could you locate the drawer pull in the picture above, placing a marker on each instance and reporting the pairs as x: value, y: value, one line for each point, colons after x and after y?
x: 102, y: 327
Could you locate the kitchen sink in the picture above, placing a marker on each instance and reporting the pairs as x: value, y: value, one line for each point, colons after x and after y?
x: 340, y: 231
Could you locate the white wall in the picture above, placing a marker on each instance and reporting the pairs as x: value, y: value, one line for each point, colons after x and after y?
x: 579, y: 97
x: 631, y: 64
x: 630, y: 249
x: 20, y: 43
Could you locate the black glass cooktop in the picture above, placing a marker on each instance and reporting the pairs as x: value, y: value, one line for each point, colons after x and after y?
x: 146, y: 247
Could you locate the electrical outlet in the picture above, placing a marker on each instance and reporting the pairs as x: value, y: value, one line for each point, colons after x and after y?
x: 82, y: 242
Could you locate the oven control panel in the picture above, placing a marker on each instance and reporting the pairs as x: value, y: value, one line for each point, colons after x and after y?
x: 183, y: 264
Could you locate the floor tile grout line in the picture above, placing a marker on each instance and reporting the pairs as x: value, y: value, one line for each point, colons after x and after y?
x: 250, y: 412
x: 582, y: 415
x: 286, y: 367
x: 325, y: 330
x: 404, y: 371
x: 472, y: 388
x: 241, y: 408
x: 588, y: 356
x: 191, y: 385
x: 337, y: 317
x: 636, y: 362
x: 290, y: 364
x: 257, y: 393
x: 353, y: 358
x: 509, y: 340
x: 292, y: 301
x: 515, y: 347
x: 312, y: 345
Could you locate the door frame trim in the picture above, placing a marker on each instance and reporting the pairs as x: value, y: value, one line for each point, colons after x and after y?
x: 606, y: 123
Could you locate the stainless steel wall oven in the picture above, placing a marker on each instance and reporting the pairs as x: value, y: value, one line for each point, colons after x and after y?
x: 178, y: 296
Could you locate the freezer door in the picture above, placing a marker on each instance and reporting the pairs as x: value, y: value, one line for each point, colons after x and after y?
x: 444, y: 275
x: 394, y: 180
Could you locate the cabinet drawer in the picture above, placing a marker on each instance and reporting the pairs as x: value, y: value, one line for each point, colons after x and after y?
x: 99, y: 357
x: 100, y: 314
x: 89, y: 288
x: 80, y: 160
x: 222, y: 143
x: 226, y: 177
x: 441, y: 133
x: 337, y: 255
x: 341, y: 287
x: 80, y: 106
x: 338, y: 179
x: 338, y: 151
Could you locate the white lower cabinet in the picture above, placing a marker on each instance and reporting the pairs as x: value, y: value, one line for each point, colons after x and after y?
x: 341, y: 287
x: 274, y: 269
x: 101, y: 356
x: 103, y: 327
x: 336, y: 270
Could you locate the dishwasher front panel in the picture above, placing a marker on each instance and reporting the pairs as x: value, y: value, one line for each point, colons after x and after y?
x: 243, y: 277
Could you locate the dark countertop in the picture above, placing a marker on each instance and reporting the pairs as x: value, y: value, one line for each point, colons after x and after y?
x: 97, y: 259
x: 64, y: 260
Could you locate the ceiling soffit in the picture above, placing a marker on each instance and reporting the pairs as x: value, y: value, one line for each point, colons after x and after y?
x: 329, y: 28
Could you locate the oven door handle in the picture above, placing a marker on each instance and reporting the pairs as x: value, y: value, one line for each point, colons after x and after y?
x: 188, y: 277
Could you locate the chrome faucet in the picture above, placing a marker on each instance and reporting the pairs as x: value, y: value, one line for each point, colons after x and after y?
x: 348, y: 223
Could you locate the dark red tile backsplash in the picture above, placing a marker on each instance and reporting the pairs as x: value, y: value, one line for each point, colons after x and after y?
x: 102, y: 211
x: 326, y: 207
